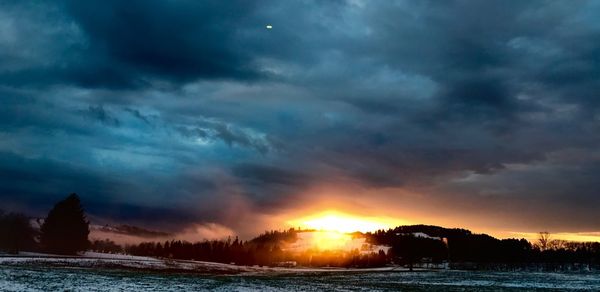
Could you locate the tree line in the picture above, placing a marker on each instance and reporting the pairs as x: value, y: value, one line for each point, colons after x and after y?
x: 65, y: 230
x: 268, y: 249
x: 405, y: 246
x: 462, y: 246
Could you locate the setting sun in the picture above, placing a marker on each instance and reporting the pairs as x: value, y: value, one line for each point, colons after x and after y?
x: 344, y: 223
x: 330, y: 230
x: 325, y: 241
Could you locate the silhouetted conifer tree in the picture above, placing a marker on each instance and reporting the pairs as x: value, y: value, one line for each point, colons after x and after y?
x: 66, y: 230
x: 16, y: 233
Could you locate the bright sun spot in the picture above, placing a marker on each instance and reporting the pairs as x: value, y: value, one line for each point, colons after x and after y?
x: 332, y: 229
x: 344, y: 223
x: 329, y: 240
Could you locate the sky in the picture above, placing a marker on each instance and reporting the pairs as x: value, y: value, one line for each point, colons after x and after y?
x: 174, y: 114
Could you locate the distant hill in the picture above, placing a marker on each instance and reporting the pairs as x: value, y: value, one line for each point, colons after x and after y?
x: 431, y: 230
x: 131, y: 230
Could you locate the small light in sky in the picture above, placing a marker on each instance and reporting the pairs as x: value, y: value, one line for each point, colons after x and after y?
x: 269, y: 26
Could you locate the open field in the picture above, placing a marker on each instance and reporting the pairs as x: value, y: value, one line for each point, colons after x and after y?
x: 117, y: 274
x: 136, y: 263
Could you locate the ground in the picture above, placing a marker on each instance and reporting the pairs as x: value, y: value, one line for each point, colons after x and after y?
x: 100, y: 272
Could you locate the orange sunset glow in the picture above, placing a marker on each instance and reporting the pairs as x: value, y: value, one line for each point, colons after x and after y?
x: 332, y: 229
x: 334, y: 226
x: 326, y: 240
x: 332, y: 220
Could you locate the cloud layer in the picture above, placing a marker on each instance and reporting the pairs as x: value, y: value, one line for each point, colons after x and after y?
x: 187, y: 112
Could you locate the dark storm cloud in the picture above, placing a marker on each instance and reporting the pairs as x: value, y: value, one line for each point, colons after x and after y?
x: 139, y: 115
x: 100, y: 114
x: 41, y: 181
x: 210, y: 130
x: 197, y: 104
x: 128, y: 44
x: 265, y: 175
x: 177, y: 40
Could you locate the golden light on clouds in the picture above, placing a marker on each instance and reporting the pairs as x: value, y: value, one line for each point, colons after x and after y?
x: 566, y: 236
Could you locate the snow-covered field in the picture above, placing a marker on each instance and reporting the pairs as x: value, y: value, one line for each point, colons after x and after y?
x: 128, y: 262
x: 100, y: 272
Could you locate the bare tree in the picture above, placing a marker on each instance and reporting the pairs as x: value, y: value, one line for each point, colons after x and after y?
x: 544, y: 240
x: 557, y: 244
